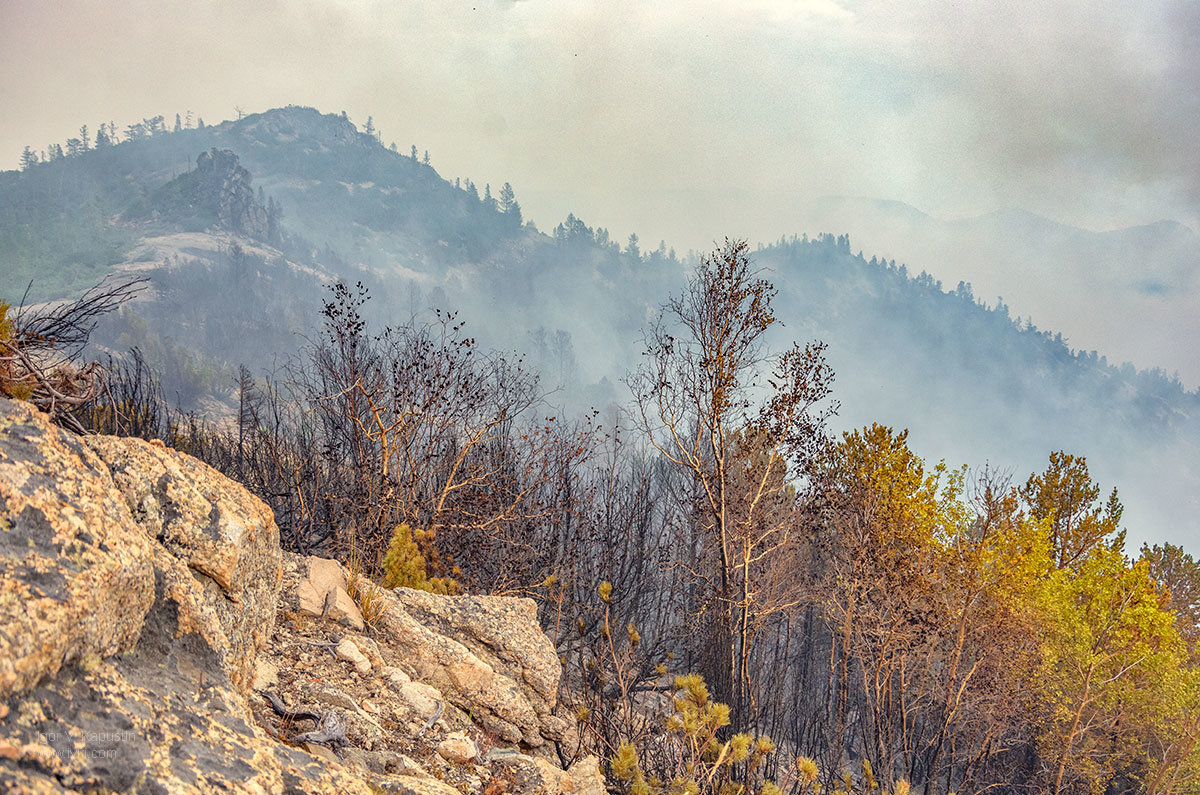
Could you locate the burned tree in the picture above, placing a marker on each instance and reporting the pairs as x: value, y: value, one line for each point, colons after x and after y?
x: 696, y: 400
x: 41, y: 345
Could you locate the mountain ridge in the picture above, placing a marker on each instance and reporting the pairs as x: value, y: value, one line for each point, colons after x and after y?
x: 907, y: 351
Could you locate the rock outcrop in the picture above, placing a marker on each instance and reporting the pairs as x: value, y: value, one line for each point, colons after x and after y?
x: 216, y: 194
x: 76, y: 572
x: 222, y: 183
x: 488, y: 654
x: 125, y: 647
x: 226, y: 539
x: 462, y: 688
x: 153, y: 638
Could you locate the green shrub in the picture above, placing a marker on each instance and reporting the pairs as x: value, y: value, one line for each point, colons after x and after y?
x: 406, y: 566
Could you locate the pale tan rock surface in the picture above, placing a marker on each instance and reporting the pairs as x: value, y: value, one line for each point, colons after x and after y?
x: 585, y: 778
x: 348, y: 651
x: 212, y: 525
x: 123, y: 644
x: 421, y: 697
x: 458, y: 748
x: 487, y: 654
x: 146, y: 607
x: 413, y: 785
x: 323, y: 593
x: 76, y: 577
x: 536, y: 776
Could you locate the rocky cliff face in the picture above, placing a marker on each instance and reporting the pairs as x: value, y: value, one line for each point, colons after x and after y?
x: 222, y: 182
x: 216, y: 193
x: 141, y: 650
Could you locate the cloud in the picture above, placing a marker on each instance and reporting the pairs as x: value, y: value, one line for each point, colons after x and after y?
x: 1067, y: 107
x: 682, y: 120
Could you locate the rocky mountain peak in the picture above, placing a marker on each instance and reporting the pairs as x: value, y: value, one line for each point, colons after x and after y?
x: 293, y: 124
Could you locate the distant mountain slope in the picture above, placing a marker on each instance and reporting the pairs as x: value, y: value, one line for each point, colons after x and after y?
x: 974, y: 384
x: 1133, y: 294
x: 62, y: 220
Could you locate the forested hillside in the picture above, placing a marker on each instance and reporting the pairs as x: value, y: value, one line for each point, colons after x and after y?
x: 1130, y: 292
x: 726, y: 463
x: 971, y: 382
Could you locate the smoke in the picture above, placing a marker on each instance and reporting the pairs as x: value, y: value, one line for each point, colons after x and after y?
x: 682, y: 121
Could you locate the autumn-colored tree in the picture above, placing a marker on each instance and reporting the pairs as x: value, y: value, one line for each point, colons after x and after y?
x: 932, y: 592
x: 884, y: 513
x: 1178, y: 574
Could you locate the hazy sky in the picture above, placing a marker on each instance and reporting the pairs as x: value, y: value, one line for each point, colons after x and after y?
x: 681, y: 120
x: 684, y: 120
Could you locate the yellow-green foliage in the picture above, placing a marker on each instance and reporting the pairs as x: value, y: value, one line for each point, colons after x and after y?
x: 626, y: 768
x: 807, y: 773
x: 405, y: 566
x: 11, y: 384
x: 707, y: 763
x: 868, y: 779
x: 6, y: 326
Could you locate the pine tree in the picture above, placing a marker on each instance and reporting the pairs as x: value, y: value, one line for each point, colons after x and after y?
x: 249, y: 405
x: 1066, y: 499
x: 507, y: 197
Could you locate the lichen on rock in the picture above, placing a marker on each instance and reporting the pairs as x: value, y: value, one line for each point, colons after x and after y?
x: 75, y: 569
x: 213, y: 526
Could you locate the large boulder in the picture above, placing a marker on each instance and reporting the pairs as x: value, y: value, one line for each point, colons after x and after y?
x: 488, y: 654
x: 76, y: 578
x: 226, y: 537
x: 136, y: 587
